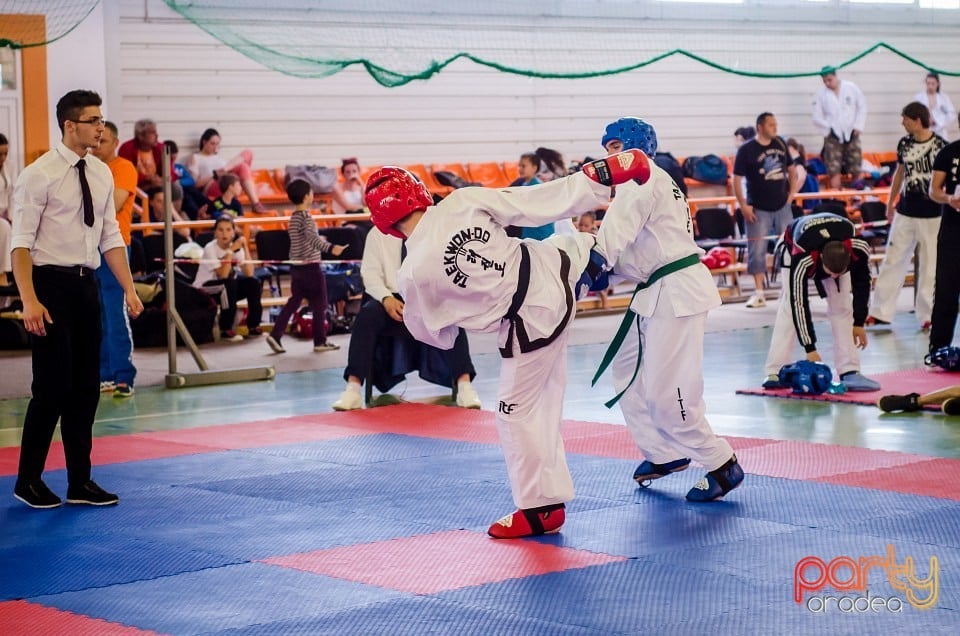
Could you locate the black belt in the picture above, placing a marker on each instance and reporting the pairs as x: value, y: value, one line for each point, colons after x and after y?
x: 517, y: 329
x: 523, y: 283
x: 73, y: 270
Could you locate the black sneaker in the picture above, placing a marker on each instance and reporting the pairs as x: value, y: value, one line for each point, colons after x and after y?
x: 36, y: 495
x: 90, y: 494
x: 906, y: 403
x: 951, y: 406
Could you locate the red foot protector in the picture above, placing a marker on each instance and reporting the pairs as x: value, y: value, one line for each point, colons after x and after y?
x: 531, y: 522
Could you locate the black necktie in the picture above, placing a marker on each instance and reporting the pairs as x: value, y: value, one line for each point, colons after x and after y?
x: 85, y: 192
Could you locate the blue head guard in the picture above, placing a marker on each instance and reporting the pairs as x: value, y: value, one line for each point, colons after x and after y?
x: 804, y: 376
x: 633, y: 133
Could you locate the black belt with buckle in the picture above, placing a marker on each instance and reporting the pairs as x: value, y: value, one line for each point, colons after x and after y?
x: 72, y: 270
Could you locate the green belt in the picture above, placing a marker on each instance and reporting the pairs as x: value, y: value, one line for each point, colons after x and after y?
x: 630, y: 317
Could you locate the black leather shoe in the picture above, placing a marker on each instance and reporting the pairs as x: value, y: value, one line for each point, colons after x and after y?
x: 36, y: 495
x: 90, y: 494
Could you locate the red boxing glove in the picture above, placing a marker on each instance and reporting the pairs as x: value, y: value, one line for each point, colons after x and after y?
x: 619, y: 168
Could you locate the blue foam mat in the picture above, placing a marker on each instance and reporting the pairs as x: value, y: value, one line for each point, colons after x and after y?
x: 629, y: 597
x: 220, y: 598
x: 50, y: 565
x: 172, y: 557
x: 416, y: 617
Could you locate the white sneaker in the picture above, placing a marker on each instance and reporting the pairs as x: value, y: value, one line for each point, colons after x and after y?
x: 275, y: 345
x: 107, y: 387
x: 467, y: 397
x: 756, y: 300
x: 350, y: 399
x: 327, y: 346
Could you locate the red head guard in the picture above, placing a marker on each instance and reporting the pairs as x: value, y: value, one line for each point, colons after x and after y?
x: 392, y: 194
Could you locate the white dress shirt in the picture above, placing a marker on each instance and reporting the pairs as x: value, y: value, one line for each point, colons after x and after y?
x: 6, y: 199
x: 48, y: 211
x: 842, y: 112
x: 940, y: 117
x: 6, y: 193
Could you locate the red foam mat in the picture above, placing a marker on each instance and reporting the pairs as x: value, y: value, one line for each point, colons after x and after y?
x: 805, y: 460
x: 928, y: 478
x: 922, y: 380
x: 21, y: 618
x: 458, y: 558
x: 845, y: 465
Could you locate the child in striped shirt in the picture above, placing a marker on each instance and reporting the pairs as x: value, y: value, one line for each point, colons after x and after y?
x: 306, y: 279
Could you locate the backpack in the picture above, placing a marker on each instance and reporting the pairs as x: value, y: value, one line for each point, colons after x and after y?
x: 816, y: 166
x: 321, y: 179
x: 452, y: 180
x: 708, y: 169
x: 669, y: 164
x: 810, y: 184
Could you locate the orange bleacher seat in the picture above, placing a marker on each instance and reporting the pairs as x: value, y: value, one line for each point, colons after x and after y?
x: 510, y: 171
x: 420, y: 172
x: 267, y: 188
x: 280, y: 178
x: 366, y: 171
x: 454, y: 168
x: 490, y: 174
x: 880, y: 158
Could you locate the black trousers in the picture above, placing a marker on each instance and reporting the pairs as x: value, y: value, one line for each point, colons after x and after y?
x: 66, y: 375
x: 946, y: 293
x: 372, y: 321
x: 306, y: 281
x: 237, y: 287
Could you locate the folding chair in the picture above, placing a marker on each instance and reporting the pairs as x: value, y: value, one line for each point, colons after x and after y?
x: 873, y: 212
x: 716, y: 226
x: 153, y: 250
x: 274, y: 245
x: 352, y: 237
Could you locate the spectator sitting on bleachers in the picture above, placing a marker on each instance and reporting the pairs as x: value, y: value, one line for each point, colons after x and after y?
x: 587, y: 223
x: 225, y: 262
x: 155, y: 205
x: 552, y: 165
x: 348, y: 195
x: 192, y: 201
x: 529, y: 167
x: 382, y: 314
x: 145, y: 151
x: 228, y: 202
x: 6, y: 199
x: 207, y: 166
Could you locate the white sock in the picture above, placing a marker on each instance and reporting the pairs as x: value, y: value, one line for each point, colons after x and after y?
x: 354, y: 386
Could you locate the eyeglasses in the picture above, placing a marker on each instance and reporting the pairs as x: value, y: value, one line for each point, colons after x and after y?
x: 96, y: 121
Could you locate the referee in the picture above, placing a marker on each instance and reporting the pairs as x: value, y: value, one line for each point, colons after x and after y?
x: 63, y: 219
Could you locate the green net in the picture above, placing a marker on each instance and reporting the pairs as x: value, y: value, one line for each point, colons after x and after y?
x: 399, y: 42
x: 61, y: 17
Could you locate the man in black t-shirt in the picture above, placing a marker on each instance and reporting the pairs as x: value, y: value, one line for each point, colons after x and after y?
x: 774, y: 174
x: 917, y: 220
x: 943, y: 190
